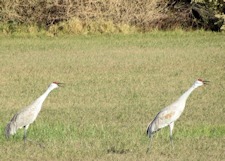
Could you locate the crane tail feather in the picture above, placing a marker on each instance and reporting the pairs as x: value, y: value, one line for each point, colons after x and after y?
x: 149, y: 131
x: 10, y: 129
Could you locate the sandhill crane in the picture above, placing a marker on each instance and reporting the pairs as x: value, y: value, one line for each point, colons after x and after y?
x: 168, y: 115
x: 27, y: 115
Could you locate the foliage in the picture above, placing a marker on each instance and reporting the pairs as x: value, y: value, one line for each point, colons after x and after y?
x: 88, y: 16
x: 76, y: 26
x: 50, y: 12
x: 218, y: 5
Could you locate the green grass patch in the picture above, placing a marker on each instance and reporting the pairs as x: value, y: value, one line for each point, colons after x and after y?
x: 115, y: 85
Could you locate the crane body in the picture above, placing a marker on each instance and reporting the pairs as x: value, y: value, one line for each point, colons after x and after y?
x: 27, y: 115
x: 168, y: 115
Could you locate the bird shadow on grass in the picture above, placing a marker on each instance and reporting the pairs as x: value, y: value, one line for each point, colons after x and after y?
x: 114, y: 150
x: 41, y: 145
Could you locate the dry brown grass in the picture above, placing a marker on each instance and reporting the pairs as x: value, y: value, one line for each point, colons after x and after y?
x: 53, y: 11
x: 98, y: 16
x: 144, y: 14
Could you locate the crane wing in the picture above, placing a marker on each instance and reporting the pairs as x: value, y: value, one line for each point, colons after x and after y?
x: 24, y: 117
x: 165, y: 117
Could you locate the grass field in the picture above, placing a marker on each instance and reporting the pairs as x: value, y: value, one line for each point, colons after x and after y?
x: 115, y: 85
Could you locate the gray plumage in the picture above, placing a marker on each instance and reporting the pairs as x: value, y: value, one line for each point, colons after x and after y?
x: 26, y: 116
x: 168, y: 115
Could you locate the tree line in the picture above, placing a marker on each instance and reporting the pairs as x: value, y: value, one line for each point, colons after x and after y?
x: 143, y: 14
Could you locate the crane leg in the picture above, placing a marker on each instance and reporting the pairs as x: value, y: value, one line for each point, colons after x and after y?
x: 150, y: 142
x: 26, y: 139
x: 171, y: 132
x: 25, y: 133
x: 24, y: 136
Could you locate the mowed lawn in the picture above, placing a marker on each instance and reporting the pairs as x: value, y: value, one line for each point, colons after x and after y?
x: 115, y: 85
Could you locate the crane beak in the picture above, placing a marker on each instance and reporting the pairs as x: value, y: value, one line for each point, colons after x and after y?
x: 61, y: 84
x: 205, y: 82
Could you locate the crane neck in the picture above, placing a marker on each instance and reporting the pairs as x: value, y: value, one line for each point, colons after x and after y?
x: 42, y: 98
x: 185, y: 96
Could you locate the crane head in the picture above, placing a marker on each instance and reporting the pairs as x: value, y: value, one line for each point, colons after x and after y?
x: 57, y: 84
x: 201, y: 82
